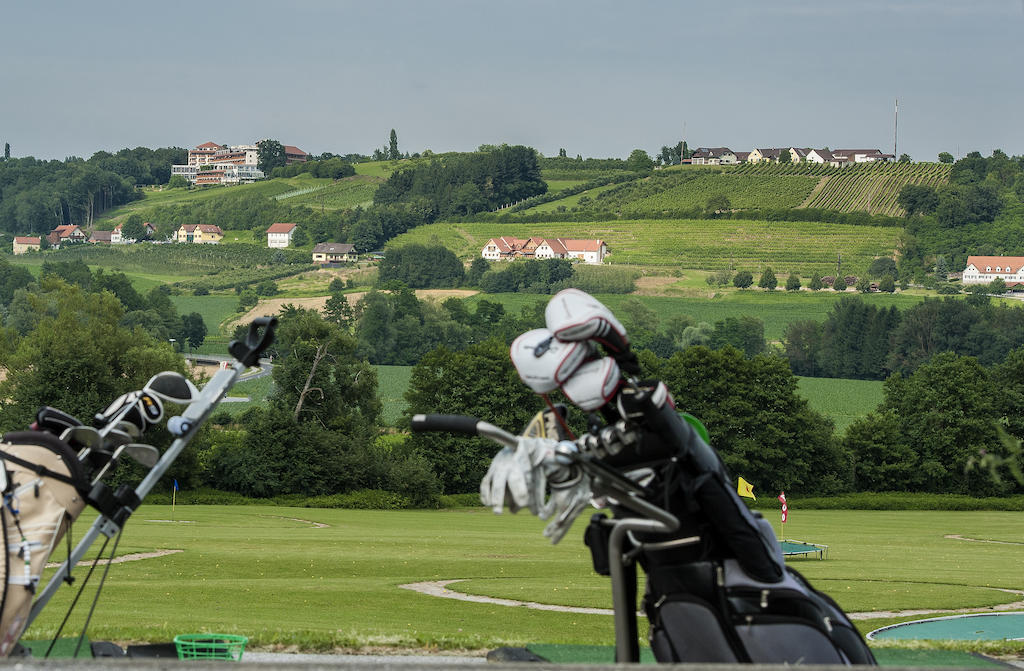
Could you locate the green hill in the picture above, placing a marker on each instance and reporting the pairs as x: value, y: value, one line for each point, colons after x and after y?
x: 804, y: 247
x: 867, y: 187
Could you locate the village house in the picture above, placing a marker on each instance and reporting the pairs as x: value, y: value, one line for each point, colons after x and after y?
x: 117, y: 238
x: 984, y: 269
x: 508, y: 248
x: 24, y: 243
x: 103, y: 237
x: 280, y: 235
x: 713, y: 156
x: 199, y: 233
x: 764, y: 155
x: 334, y: 252
x: 64, y: 234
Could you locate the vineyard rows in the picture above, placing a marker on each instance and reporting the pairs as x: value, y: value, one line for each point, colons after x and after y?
x: 874, y: 188
x: 804, y: 247
x: 743, y: 192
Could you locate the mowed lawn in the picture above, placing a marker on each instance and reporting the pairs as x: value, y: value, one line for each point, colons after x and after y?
x: 320, y: 579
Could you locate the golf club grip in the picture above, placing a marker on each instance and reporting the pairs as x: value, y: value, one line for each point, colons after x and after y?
x: 451, y: 423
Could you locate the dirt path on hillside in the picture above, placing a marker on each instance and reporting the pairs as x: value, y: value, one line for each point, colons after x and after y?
x: 815, y: 191
x: 271, y: 306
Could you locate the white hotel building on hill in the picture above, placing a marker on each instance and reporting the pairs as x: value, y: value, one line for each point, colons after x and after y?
x: 984, y: 269
x: 211, y: 163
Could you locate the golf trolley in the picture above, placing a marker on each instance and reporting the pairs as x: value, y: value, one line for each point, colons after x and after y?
x: 49, y: 474
x: 717, y: 612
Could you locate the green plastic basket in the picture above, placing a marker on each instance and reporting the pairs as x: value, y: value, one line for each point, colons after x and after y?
x: 210, y: 646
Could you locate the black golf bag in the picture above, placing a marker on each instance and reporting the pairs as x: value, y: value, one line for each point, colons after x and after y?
x: 718, y: 590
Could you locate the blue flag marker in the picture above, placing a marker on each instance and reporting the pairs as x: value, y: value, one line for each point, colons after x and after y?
x: 175, y: 484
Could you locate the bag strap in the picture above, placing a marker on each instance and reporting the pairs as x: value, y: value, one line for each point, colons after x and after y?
x: 39, y: 470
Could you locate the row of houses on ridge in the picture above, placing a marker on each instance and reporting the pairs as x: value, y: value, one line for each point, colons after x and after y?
x: 507, y: 248
x: 211, y: 163
x: 834, y: 157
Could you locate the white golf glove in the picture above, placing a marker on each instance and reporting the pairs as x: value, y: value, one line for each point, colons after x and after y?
x: 566, y: 502
x: 517, y: 477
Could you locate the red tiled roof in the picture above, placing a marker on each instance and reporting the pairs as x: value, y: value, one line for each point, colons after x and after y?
x: 1010, y: 264
x: 582, y: 245
x: 26, y: 240
x: 208, y: 145
x: 281, y: 228
x: 289, y: 149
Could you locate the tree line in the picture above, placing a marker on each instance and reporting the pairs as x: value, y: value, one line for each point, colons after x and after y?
x: 867, y: 342
x: 980, y: 212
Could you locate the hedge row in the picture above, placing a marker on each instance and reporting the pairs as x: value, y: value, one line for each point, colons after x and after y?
x: 376, y: 499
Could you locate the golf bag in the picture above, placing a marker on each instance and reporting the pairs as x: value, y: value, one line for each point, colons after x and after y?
x: 50, y: 473
x: 717, y: 590
x: 43, y: 494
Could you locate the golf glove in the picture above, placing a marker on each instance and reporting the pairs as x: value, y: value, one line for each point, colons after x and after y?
x: 567, y: 501
x: 517, y: 477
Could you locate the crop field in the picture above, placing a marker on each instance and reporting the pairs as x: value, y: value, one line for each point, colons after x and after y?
x: 776, y: 309
x: 319, y: 579
x: 556, y: 185
x: 687, y: 189
x: 874, y: 188
x: 842, y: 401
x: 345, y: 194
x: 804, y: 247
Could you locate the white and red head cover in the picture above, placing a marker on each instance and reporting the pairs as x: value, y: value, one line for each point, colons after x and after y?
x: 544, y: 362
x: 574, y: 315
x: 593, y: 384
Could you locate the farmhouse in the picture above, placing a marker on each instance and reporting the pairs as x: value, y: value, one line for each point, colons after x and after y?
x: 508, y: 248
x: 984, y: 269
x: 713, y: 156
x: 23, y: 243
x: 280, y: 235
x: 201, y: 233
x: 334, y: 252
x: 104, y: 237
x: 66, y: 233
x: 116, y: 237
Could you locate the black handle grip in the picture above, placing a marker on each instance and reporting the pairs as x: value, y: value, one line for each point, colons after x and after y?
x: 451, y: 423
x: 259, y: 338
x: 55, y: 421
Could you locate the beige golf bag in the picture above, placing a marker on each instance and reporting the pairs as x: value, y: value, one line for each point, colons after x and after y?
x: 42, y: 496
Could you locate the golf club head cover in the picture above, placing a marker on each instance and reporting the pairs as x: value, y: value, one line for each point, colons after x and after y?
x: 544, y: 362
x: 573, y: 315
x: 576, y: 315
x: 593, y: 384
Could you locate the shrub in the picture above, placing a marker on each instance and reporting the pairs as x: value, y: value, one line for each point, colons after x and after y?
x: 793, y: 282
x: 201, y: 291
x: 743, y: 279
x: 362, y: 499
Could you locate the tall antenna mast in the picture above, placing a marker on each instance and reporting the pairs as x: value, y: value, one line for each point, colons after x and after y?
x: 896, y: 129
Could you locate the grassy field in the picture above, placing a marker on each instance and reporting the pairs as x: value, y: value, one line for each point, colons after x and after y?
x: 842, y: 401
x: 776, y: 309
x: 804, y: 247
x: 272, y: 574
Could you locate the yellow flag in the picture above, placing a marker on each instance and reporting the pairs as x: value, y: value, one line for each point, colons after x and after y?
x: 744, y: 488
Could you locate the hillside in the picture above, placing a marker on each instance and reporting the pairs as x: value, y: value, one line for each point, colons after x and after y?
x: 804, y: 247
x: 871, y: 188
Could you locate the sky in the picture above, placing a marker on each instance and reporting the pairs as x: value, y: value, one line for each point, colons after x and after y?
x: 598, y: 78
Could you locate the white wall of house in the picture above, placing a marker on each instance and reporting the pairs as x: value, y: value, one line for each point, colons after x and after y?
x: 279, y: 240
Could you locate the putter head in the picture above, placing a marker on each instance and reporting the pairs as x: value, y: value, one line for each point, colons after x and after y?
x: 172, y: 387
x: 145, y: 455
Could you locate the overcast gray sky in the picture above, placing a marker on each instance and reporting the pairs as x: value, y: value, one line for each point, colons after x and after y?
x: 596, y: 77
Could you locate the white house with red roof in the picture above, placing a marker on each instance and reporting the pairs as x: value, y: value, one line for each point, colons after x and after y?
x: 280, y: 235
x: 507, y: 248
x: 66, y: 233
x: 984, y: 269
x: 24, y: 243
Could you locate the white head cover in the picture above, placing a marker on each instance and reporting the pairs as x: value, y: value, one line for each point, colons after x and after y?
x: 593, y: 384
x: 544, y: 362
x: 573, y: 315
